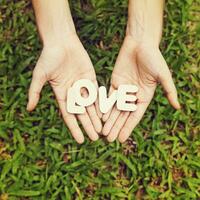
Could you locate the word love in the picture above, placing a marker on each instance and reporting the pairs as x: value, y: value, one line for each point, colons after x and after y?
x: 124, y: 96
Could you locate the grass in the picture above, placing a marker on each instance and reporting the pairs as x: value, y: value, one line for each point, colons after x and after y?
x: 38, y: 157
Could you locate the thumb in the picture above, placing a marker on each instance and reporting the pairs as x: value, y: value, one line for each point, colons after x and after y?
x: 165, y: 78
x: 38, y: 80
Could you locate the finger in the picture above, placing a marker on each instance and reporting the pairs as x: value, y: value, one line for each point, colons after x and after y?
x: 133, y: 119
x: 111, y: 120
x: 88, y: 126
x: 117, y: 126
x: 106, y: 115
x: 99, y: 113
x: 71, y: 122
x: 94, y: 118
x: 96, y: 122
x: 170, y: 90
x: 166, y: 80
x: 37, y: 82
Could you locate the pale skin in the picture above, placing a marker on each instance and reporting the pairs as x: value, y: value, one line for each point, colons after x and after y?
x: 141, y: 63
x: 64, y: 60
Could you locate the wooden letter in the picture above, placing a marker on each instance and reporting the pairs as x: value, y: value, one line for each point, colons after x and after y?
x: 92, y: 92
x: 71, y: 103
x: 76, y: 103
x: 126, y: 101
x: 105, y: 104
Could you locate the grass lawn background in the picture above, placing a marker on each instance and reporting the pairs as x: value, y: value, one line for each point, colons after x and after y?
x: 38, y: 157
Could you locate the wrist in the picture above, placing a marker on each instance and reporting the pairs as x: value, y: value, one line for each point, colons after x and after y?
x: 54, y: 20
x: 145, y: 19
x: 63, y: 41
x: 58, y: 37
x: 135, y: 42
x: 54, y: 30
x: 142, y: 35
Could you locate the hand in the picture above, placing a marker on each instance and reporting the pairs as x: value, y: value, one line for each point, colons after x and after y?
x: 62, y: 64
x: 144, y: 66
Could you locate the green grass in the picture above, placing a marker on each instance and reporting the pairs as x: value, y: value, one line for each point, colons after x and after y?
x: 38, y: 157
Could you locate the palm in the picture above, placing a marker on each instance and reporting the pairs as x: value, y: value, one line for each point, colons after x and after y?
x: 142, y: 66
x: 72, y: 66
x: 62, y: 67
x: 138, y: 71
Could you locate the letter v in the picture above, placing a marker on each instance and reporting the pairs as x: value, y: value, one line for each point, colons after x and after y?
x: 105, y: 104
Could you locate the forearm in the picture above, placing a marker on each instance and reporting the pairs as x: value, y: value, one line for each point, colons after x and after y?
x: 145, y: 19
x: 54, y: 20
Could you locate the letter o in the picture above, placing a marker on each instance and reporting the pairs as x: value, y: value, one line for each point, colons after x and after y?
x: 92, y: 92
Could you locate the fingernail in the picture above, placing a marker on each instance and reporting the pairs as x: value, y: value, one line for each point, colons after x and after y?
x: 105, y: 132
x: 80, y: 140
x: 95, y: 138
x: 179, y: 105
x: 27, y: 107
x: 110, y: 139
x: 121, y: 140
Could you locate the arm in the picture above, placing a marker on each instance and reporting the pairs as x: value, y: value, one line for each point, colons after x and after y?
x: 58, y: 64
x: 141, y: 63
x: 145, y: 19
x: 54, y: 20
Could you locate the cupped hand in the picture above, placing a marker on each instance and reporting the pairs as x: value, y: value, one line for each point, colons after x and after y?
x: 144, y: 66
x: 61, y: 64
